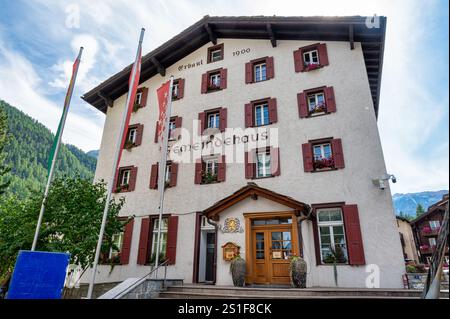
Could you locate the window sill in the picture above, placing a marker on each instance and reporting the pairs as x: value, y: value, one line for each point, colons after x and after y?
x: 213, y: 90
x: 216, y: 182
x: 256, y: 126
x: 215, y: 61
x: 318, y: 114
x: 324, y: 170
x: 254, y: 82
x: 327, y: 265
x: 264, y: 177
x: 309, y: 70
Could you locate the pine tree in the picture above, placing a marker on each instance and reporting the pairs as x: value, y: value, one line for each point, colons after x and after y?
x: 419, y: 210
x: 4, y: 169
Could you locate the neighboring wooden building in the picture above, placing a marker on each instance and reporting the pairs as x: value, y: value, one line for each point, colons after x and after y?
x: 407, y: 240
x: 426, y: 229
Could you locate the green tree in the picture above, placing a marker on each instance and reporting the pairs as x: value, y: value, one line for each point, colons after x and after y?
x: 71, y: 222
x: 419, y: 210
x: 4, y: 169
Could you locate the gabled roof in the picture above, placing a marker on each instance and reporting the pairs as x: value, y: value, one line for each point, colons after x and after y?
x: 438, y: 206
x: 209, y: 29
x: 253, y: 190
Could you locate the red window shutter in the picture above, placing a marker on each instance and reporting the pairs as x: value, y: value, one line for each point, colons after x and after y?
x: 144, y: 97
x: 156, y: 132
x: 308, y: 165
x: 172, y: 231
x: 323, y: 55
x: 178, y: 121
x: 140, y: 130
x: 275, y: 161
x: 173, y: 174
x: 249, y: 165
x: 143, y: 252
x: 180, y: 88
x: 302, y: 105
x: 330, y: 100
x: 178, y: 124
x: 248, y: 72
x: 352, y: 226
x: 154, y: 177
x: 223, y: 119
x: 198, y: 172
x: 273, y: 115
x: 202, y: 119
x: 204, y: 83
x: 223, y: 79
x: 222, y: 170
x: 270, y: 73
x: 115, y: 182
x: 133, y: 176
x: 126, y: 245
x: 249, y: 115
x: 338, y: 155
x: 298, y: 60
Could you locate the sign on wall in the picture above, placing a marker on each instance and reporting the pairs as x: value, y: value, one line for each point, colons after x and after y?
x: 231, y: 225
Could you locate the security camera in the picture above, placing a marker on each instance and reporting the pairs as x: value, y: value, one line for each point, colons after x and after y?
x: 382, y: 182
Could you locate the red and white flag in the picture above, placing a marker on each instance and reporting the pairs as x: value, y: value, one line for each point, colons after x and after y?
x: 133, y: 83
x: 163, y: 100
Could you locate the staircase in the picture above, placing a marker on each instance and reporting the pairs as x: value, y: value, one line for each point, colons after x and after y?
x: 222, y: 292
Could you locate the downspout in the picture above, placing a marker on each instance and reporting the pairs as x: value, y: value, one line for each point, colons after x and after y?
x: 299, y: 226
x: 216, y: 228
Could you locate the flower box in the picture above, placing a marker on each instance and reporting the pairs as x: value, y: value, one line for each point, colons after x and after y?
x: 311, y: 66
x: 320, y: 108
x: 128, y: 145
x: 426, y: 230
x: 208, y: 178
x: 212, y: 87
x: 323, y: 163
x: 136, y: 107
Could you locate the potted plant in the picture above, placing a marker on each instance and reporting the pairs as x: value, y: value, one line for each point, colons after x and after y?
x: 238, y: 269
x: 297, y: 271
x: 209, y: 177
x: 128, y: 144
x: 308, y: 66
x: 136, y: 107
x: 213, y: 86
x: 324, y: 163
x: 337, y: 256
x: 320, y: 108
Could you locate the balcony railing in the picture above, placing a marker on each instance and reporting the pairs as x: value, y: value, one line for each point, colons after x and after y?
x: 430, y: 232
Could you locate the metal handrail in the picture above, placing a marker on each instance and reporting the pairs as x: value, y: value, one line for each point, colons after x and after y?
x: 143, y: 278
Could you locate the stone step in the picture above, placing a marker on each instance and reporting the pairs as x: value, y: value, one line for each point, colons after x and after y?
x: 239, y: 292
x: 198, y: 295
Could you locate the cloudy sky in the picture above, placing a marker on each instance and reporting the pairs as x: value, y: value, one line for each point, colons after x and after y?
x: 39, y: 40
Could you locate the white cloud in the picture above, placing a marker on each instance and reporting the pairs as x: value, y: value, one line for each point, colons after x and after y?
x: 409, y: 116
x: 19, y: 86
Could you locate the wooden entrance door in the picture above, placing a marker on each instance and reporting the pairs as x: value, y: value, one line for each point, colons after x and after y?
x: 271, y: 247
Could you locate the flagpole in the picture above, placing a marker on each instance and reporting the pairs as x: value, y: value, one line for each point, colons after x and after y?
x: 113, y: 171
x: 162, y: 170
x: 58, y: 143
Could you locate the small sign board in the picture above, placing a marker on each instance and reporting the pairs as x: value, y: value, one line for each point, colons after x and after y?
x: 230, y: 251
x: 38, y: 275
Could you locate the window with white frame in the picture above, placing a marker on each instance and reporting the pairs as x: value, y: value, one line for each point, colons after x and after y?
x: 212, y: 166
x: 172, y: 126
x: 311, y: 57
x: 332, y: 235
x: 435, y: 224
x: 432, y: 241
x: 316, y: 103
x: 259, y: 70
x: 163, y: 242
x: 261, y: 114
x: 117, y: 242
x: 216, y: 55
x: 263, y: 164
x: 132, y: 135
x: 138, y: 98
x: 175, y: 90
x: 214, y: 80
x: 214, y: 120
x: 125, y: 180
x: 322, y: 151
x: 168, y: 173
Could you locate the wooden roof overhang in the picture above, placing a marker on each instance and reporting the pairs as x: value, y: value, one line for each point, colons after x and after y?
x: 252, y: 190
x: 209, y: 29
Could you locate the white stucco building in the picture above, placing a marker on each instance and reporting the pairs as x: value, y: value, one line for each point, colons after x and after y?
x: 310, y: 86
